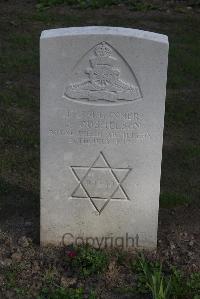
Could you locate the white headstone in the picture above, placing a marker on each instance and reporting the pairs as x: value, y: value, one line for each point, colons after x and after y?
x: 102, y: 116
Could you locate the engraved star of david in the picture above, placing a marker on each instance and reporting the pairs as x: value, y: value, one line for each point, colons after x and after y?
x: 100, y: 183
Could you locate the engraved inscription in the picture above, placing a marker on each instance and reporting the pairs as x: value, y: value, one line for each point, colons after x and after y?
x: 100, y: 183
x: 107, y: 127
x: 104, y: 80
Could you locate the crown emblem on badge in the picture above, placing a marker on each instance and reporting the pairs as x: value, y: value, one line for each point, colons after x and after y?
x: 103, y: 50
x: 103, y: 82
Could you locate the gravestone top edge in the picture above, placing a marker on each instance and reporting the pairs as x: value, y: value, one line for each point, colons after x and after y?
x: 104, y: 30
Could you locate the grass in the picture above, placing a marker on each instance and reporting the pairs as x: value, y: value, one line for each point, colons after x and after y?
x: 171, y: 200
x: 150, y: 278
x: 156, y: 282
x: 136, y: 5
x: 193, y: 284
x: 87, y: 261
x: 11, y: 276
x: 79, y: 3
x: 183, y: 61
x: 18, y: 98
x: 19, y: 63
x: 83, y: 261
x: 192, y: 152
x: 62, y: 293
x: 181, y: 113
x: 162, y: 283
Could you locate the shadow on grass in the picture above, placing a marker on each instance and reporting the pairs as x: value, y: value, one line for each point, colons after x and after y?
x: 18, y: 203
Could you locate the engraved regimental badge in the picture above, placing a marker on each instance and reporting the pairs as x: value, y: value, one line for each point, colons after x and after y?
x: 102, y: 76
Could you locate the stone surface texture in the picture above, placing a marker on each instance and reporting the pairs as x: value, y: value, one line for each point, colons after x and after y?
x: 102, y: 116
